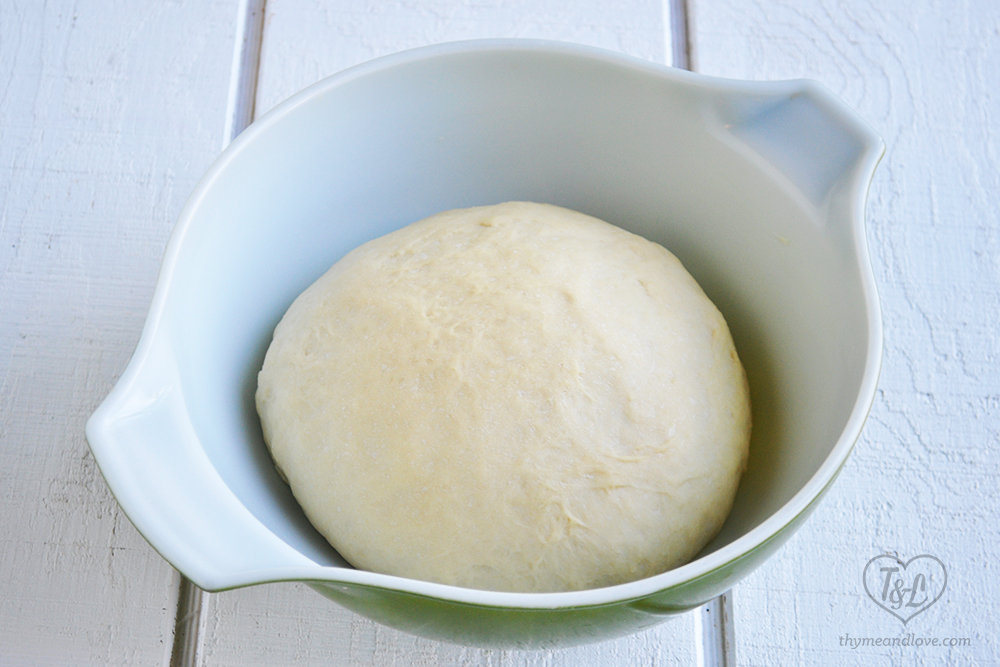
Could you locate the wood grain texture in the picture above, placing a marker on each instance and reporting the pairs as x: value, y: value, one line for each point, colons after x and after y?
x: 303, y: 42
x: 111, y: 112
x: 923, y: 478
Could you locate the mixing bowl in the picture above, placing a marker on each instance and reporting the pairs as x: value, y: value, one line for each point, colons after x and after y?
x: 759, y: 189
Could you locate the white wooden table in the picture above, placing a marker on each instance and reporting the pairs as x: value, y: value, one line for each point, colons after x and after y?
x: 111, y: 111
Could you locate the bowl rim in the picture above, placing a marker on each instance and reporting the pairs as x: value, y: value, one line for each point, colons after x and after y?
x: 775, y: 524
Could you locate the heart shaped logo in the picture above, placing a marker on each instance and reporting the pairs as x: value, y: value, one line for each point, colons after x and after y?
x: 905, y: 589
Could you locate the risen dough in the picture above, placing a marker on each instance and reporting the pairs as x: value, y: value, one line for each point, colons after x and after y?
x: 515, y: 397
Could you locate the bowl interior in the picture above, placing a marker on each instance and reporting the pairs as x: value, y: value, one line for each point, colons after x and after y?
x: 384, y: 146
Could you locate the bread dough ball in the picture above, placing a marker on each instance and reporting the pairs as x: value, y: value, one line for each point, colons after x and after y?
x: 515, y: 398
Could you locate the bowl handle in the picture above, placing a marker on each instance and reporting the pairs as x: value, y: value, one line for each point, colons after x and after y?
x: 150, y: 455
x: 799, y: 128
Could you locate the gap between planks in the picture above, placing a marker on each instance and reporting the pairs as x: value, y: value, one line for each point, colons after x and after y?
x: 191, y: 616
x: 714, y: 627
x: 677, y: 20
x: 715, y: 633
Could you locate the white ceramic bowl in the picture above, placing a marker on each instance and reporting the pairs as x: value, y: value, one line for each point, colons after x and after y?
x: 759, y: 188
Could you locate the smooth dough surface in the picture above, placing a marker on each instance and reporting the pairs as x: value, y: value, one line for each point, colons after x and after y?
x: 515, y: 397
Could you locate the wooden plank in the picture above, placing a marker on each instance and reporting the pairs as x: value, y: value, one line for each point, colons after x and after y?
x: 923, y: 477
x: 111, y: 112
x: 304, y: 41
x: 307, y: 40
